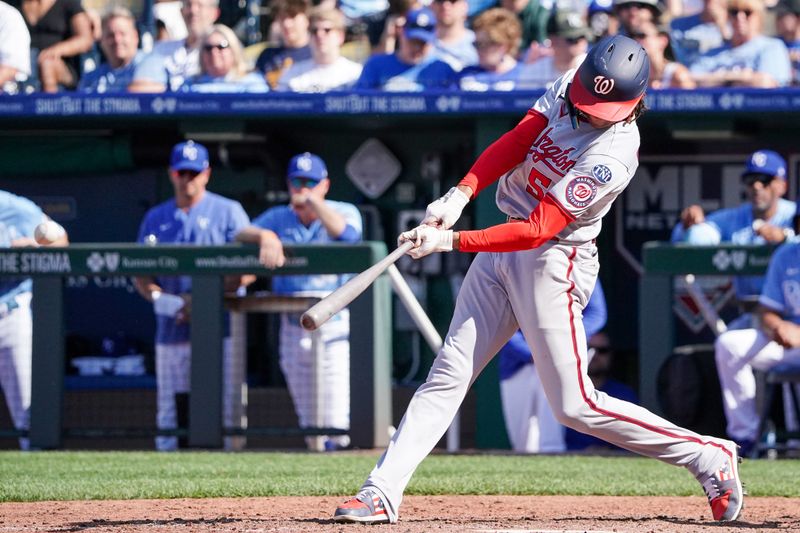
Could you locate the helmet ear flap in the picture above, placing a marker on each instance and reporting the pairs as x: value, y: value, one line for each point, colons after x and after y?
x: 573, y: 112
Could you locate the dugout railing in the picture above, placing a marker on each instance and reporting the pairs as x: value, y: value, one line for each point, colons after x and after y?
x: 370, y: 337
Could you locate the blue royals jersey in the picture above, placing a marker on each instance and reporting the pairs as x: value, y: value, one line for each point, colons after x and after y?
x: 476, y: 78
x: 386, y: 72
x: 782, y: 283
x: 763, y: 54
x: 105, y: 79
x: 735, y: 225
x: 18, y: 218
x: 285, y: 223
x: 213, y: 221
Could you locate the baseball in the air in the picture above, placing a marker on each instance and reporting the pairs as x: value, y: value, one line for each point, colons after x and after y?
x: 48, y: 232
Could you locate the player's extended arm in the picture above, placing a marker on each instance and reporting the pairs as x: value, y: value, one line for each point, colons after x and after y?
x: 334, y: 222
x: 146, y: 286
x: 505, y: 153
x: 544, y: 223
x: 270, y: 252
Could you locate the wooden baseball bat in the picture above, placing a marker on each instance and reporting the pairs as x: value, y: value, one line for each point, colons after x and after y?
x: 323, y: 310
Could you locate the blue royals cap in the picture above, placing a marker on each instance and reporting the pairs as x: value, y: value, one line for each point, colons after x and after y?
x: 604, y: 6
x: 420, y: 24
x: 307, y: 165
x: 189, y: 155
x: 766, y: 162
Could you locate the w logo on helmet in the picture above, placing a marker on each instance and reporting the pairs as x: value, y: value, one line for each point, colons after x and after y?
x: 603, y: 85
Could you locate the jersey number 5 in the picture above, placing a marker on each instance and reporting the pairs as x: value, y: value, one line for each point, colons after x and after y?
x: 538, y: 184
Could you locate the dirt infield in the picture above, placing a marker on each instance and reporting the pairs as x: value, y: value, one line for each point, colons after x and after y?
x: 419, y: 514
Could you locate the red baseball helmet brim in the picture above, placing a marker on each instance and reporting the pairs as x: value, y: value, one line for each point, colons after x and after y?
x: 585, y: 100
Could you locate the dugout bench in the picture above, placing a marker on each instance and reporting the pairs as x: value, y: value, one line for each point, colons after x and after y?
x: 662, y: 262
x: 370, y: 337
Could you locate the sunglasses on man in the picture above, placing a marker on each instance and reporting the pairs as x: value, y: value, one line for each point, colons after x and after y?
x: 763, y: 179
x: 300, y: 183
x: 187, y: 174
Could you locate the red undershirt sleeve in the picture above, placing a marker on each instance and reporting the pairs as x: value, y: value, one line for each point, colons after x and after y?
x: 544, y: 223
x: 505, y: 153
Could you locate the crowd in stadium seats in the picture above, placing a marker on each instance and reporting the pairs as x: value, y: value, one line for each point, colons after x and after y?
x: 395, y: 45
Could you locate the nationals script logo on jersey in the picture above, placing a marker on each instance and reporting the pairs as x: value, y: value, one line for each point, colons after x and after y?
x: 546, y: 151
x: 581, y: 191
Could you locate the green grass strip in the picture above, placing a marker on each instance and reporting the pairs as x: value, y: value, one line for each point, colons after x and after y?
x: 126, y: 475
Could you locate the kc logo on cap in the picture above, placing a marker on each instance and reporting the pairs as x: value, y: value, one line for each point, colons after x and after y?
x: 304, y: 162
x: 759, y: 159
x: 190, y: 152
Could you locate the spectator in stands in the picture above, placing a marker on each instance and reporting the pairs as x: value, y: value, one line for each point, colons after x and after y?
x: 680, y: 8
x: 291, y: 17
x: 601, y: 359
x: 664, y: 73
x: 530, y: 422
x: 310, y: 218
x: 533, y: 15
x: 60, y: 32
x: 497, y: 38
x: 766, y: 218
x: 774, y: 340
x: 119, y: 42
x: 18, y: 220
x: 15, y: 50
x: 454, y: 40
x: 412, y: 67
x: 632, y: 13
x: 168, y: 13
x: 695, y: 35
x: 365, y: 17
x: 476, y: 7
x: 195, y: 216
x: 327, y: 70
x: 172, y: 62
x: 602, y: 19
x: 569, y: 39
x: 223, y: 68
x: 749, y: 59
x: 788, y: 28
x: 393, y: 25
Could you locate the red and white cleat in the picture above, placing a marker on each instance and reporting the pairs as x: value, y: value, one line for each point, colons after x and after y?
x: 365, y: 507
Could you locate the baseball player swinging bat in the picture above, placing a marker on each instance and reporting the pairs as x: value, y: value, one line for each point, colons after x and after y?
x: 323, y: 310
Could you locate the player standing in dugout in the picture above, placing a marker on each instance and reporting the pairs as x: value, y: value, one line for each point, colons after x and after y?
x: 560, y: 169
